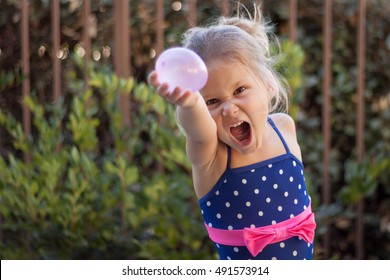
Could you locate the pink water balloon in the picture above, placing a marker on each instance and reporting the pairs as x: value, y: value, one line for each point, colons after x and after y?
x: 181, y: 67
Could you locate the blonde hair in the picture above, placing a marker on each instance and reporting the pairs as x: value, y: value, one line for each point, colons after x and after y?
x: 246, y: 40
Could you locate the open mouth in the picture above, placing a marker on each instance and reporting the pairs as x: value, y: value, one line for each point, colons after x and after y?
x: 241, y: 131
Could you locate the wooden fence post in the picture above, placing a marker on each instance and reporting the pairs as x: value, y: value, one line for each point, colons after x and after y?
x: 159, y: 27
x: 25, y: 69
x: 225, y: 8
x: 292, y: 21
x: 86, y: 42
x: 122, y: 51
x: 56, y: 38
x: 192, y: 18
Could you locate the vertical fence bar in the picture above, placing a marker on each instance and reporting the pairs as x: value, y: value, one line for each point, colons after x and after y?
x: 55, y: 27
x: 86, y: 32
x: 326, y: 112
x: 159, y: 27
x: 26, y: 69
x: 260, y: 3
x: 86, y: 42
x: 225, y: 8
x: 122, y: 51
x: 26, y: 85
x: 122, y: 69
x: 360, y: 112
x: 159, y: 49
x: 192, y: 13
x: 292, y: 21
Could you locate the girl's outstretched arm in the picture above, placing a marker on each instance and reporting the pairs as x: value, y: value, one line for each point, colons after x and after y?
x: 195, y: 119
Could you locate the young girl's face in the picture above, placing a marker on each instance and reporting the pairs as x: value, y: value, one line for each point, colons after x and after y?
x: 237, y: 100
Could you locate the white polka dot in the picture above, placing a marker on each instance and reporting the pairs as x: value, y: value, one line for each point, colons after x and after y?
x: 275, y: 186
x: 295, y: 253
x: 281, y: 171
x: 268, y: 200
x: 208, y: 203
x: 225, y: 181
x: 219, y: 216
x: 304, y: 192
x: 274, y: 258
x: 294, y: 163
x: 292, y: 216
x: 244, y: 181
x: 299, y: 186
x: 248, y: 204
x: 230, y: 227
x: 201, y: 211
x: 264, y: 178
x: 308, y: 244
x: 217, y: 193
x: 236, y: 193
x: 304, y: 207
x: 269, y: 165
x: 286, y: 194
x: 291, y: 178
x: 282, y: 245
x: 239, y: 216
x: 227, y: 204
x: 280, y: 208
x: 273, y: 222
x: 301, y: 172
x: 229, y: 258
x: 257, y: 191
x: 295, y: 201
x: 216, y: 244
x: 252, y: 226
x: 236, y: 249
x: 261, y: 213
x: 210, y: 225
x: 252, y: 170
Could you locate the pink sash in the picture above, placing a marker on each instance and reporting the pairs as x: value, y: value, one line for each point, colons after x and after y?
x: 255, y: 239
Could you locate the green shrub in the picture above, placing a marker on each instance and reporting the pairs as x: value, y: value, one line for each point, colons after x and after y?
x: 95, y: 187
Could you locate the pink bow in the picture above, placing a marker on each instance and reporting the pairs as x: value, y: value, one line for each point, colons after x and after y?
x: 257, y: 238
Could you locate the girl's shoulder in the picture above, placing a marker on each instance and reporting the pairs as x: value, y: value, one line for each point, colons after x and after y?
x: 284, y: 122
x: 286, y: 126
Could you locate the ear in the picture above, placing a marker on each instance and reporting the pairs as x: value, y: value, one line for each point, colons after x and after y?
x: 271, y: 90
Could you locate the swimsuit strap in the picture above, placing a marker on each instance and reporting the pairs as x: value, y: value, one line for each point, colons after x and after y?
x: 271, y: 122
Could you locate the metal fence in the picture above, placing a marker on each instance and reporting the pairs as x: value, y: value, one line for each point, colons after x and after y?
x: 122, y: 69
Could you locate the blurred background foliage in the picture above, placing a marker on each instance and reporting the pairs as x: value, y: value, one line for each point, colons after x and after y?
x: 97, y: 188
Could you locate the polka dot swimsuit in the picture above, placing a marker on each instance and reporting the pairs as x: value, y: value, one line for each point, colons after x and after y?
x: 257, y: 195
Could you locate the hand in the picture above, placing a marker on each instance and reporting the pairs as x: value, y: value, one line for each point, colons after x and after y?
x: 177, y: 96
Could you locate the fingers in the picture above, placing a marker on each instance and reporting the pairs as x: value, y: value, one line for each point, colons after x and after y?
x: 177, y: 96
x: 172, y: 97
x: 153, y: 79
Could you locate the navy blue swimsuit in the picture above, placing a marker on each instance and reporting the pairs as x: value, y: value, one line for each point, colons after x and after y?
x: 257, y: 195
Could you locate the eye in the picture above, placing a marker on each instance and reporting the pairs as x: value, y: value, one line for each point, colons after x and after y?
x: 239, y: 90
x: 212, y: 101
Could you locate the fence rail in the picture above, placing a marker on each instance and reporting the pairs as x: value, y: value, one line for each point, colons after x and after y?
x: 122, y: 58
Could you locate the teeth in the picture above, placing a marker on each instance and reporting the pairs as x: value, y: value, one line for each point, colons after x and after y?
x: 237, y: 124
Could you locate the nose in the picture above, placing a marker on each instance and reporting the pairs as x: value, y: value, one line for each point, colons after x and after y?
x: 229, y: 108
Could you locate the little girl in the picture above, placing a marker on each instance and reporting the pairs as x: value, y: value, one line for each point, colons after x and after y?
x: 246, y: 162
